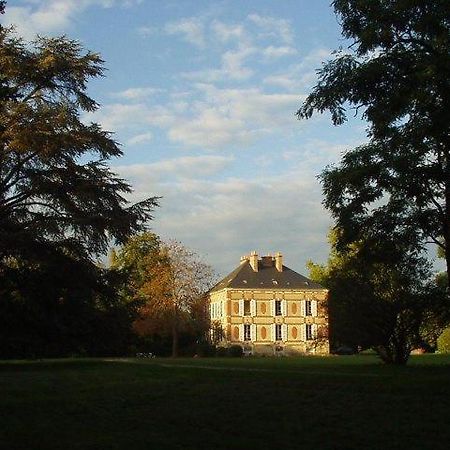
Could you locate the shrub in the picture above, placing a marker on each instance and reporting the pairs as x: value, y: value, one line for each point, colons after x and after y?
x: 204, y: 350
x: 235, y: 351
x: 221, y: 352
x: 443, y: 342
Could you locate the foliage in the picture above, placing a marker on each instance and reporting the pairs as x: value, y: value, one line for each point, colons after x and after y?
x: 235, y: 351
x: 217, y: 333
x: 443, y: 342
x: 382, y: 298
x: 55, y: 186
x: 60, y: 205
x: 49, y: 312
x: 170, y: 282
x: 396, y: 71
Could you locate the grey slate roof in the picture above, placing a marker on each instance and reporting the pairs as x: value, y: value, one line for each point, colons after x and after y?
x: 267, y: 277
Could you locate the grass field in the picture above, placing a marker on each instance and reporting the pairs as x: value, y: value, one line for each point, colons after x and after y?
x: 347, y: 402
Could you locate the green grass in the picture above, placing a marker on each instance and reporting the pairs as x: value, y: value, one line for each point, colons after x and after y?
x: 347, y: 402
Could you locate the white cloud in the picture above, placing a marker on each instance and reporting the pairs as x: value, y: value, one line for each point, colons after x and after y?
x: 226, y: 218
x: 233, y: 63
x: 233, y: 116
x: 137, y: 93
x: 272, y: 27
x: 232, y: 66
x: 119, y: 116
x: 146, y: 31
x: 192, y: 30
x: 226, y: 33
x: 47, y: 16
x: 272, y: 52
x: 184, y: 168
x: 140, y: 138
x: 299, y: 77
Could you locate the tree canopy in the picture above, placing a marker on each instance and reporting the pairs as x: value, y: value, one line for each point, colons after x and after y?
x: 396, y: 72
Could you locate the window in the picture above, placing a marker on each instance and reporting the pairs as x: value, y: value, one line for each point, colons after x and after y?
x: 247, y: 332
x: 246, y: 307
x: 309, y: 332
x: 278, y: 307
x: 278, y: 335
x: 308, y: 308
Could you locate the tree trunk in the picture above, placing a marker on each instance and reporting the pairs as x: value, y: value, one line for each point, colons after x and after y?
x: 175, y: 333
x: 446, y: 227
x: 396, y: 351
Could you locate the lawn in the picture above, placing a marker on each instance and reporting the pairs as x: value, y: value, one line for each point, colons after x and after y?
x: 347, y: 402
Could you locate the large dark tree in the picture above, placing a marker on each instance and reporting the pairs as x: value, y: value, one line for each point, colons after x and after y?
x: 396, y: 72
x: 60, y: 204
x: 55, y: 185
x: 382, y: 297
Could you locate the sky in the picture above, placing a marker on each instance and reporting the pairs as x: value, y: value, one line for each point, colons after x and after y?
x: 202, y: 96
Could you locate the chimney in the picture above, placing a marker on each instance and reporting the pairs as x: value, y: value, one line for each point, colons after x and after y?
x: 279, y: 262
x: 253, y: 258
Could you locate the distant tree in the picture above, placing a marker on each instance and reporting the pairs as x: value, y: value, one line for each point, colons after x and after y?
x: 444, y: 341
x: 170, y: 282
x: 134, y: 260
x: 396, y: 71
x: 382, y: 298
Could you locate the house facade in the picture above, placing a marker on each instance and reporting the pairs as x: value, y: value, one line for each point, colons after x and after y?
x: 268, y: 308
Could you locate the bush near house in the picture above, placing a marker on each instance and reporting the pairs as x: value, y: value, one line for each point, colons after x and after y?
x: 443, y: 342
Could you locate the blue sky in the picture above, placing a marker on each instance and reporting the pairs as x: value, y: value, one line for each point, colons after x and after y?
x: 202, y: 96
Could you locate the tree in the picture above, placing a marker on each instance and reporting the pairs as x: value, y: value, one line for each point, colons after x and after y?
x: 396, y: 71
x: 170, y: 282
x: 55, y: 187
x: 60, y: 205
x: 382, y: 298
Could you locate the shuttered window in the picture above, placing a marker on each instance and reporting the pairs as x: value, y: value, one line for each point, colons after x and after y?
x: 278, y: 307
x: 314, y: 308
x: 247, y: 334
x: 278, y: 332
x: 309, y: 332
x: 241, y: 307
x: 308, y: 308
x: 284, y: 333
x: 253, y: 307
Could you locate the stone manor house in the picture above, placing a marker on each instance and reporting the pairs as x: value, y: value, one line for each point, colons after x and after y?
x: 267, y: 308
